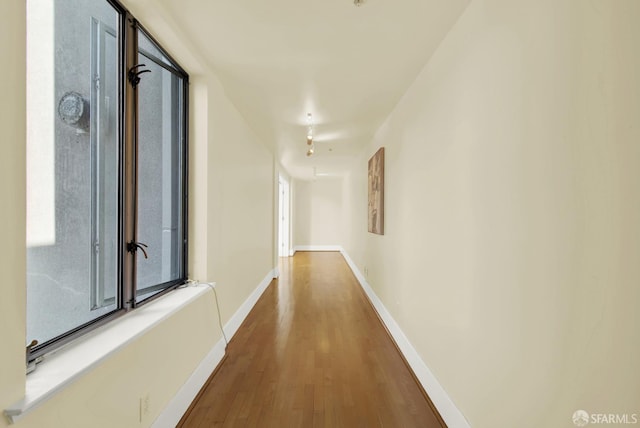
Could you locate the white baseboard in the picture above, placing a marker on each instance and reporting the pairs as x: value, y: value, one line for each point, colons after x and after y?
x: 452, y: 416
x: 172, y: 414
x: 317, y: 248
x: 176, y: 408
x: 236, y: 320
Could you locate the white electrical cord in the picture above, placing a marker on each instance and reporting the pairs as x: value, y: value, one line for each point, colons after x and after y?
x: 215, y: 293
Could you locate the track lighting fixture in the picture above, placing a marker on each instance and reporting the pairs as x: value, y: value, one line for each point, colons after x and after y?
x: 310, y: 135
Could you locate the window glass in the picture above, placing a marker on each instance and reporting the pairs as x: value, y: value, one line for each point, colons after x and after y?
x: 150, y: 51
x: 160, y: 159
x: 72, y: 170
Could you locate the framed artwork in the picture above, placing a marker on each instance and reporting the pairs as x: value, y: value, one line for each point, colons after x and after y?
x: 376, y: 193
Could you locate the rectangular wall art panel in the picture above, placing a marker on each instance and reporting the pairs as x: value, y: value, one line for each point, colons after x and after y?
x: 376, y: 193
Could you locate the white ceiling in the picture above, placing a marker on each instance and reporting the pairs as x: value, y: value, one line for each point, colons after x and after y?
x: 281, y: 59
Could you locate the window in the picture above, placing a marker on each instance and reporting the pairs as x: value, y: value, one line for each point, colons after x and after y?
x: 106, y: 168
x: 160, y: 171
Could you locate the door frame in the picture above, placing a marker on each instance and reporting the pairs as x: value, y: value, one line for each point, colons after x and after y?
x: 284, y: 217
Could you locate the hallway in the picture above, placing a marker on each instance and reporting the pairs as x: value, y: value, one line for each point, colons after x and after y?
x: 312, y: 352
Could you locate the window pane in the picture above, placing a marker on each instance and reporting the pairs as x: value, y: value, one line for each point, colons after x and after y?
x: 160, y: 207
x: 72, y: 170
x: 149, y: 51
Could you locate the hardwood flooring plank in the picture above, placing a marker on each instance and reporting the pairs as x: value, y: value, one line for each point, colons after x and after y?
x: 312, y: 353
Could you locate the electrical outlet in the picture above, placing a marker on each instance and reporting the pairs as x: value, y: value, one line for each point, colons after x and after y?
x: 145, y: 404
x: 366, y: 272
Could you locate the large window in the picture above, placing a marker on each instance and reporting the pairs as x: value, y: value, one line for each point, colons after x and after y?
x: 106, y: 168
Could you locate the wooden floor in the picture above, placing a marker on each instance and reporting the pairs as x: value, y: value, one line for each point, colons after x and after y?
x: 312, y: 353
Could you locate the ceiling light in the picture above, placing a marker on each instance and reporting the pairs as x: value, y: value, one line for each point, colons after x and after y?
x: 309, y: 134
x: 358, y: 2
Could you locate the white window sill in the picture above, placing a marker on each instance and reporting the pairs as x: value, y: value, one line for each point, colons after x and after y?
x: 71, y: 362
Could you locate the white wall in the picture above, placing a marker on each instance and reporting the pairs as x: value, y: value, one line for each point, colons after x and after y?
x: 231, y: 242
x: 512, y: 242
x: 317, y: 212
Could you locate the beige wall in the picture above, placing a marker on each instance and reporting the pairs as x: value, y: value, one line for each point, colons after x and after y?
x: 240, y: 208
x: 512, y: 242
x: 317, y: 212
x: 13, y: 197
x: 231, y: 222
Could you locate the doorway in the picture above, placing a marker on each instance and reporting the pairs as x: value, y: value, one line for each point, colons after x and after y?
x: 284, y: 212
